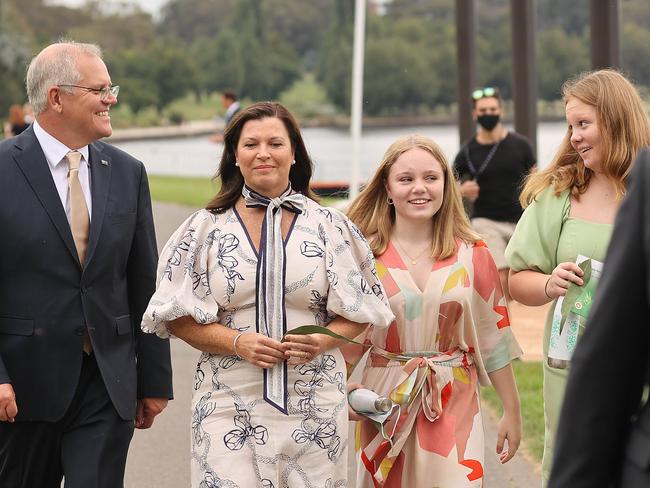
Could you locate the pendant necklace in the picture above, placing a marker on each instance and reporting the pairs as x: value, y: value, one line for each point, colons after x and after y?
x: 414, y: 260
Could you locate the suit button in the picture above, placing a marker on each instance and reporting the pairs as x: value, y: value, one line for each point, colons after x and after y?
x: 84, y: 290
x: 79, y: 331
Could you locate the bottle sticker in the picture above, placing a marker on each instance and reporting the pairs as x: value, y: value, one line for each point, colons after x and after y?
x: 571, y: 311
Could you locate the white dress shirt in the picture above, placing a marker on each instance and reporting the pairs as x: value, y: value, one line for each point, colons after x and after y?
x: 230, y: 112
x: 55, y: 152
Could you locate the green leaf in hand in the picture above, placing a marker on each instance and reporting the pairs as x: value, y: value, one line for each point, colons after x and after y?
x: 317, y: 329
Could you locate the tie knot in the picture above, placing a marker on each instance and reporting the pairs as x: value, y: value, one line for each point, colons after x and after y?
x: 74, y: 158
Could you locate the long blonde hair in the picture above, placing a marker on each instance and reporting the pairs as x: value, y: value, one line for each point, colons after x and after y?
x: 372, y: 213
x: 624, y: 129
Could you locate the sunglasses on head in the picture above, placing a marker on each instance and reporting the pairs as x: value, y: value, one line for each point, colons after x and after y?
x: 485, y: 92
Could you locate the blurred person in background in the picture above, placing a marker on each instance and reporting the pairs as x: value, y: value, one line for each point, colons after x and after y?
x: 231, y: 106
x: 491, y: 167
x: 16, y: 122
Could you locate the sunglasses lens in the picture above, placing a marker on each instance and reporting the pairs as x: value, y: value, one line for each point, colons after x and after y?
x: 484, y: 92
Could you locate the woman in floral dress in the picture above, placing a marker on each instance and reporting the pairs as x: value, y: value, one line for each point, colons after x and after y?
x: 269, y: 409
x: 451, y: 329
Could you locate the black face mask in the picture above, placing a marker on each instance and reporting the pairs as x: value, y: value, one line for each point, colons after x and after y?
x: 488, y: 122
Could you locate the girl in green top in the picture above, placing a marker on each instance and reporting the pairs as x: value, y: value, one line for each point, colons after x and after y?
x: 571, y: 206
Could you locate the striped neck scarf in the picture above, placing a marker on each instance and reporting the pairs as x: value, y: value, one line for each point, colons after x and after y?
x: 271, y: 320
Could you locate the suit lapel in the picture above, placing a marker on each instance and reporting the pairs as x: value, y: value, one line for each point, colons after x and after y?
x: 33, y: 164
x: 100, y: 174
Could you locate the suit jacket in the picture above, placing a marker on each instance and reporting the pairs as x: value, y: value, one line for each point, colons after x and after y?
x: 47, y: 300
x: 602, y: 433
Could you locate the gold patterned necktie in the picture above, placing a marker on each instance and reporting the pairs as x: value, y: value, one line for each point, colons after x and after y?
x: 79, y: 219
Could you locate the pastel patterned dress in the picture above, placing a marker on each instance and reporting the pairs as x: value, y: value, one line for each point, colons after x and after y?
x: 443, y: 342
x: 208, y: 270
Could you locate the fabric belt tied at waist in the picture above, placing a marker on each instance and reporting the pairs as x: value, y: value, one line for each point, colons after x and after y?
x: 424, y: 373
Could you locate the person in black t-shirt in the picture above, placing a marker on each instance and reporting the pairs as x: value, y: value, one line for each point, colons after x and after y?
x: 491, y: 167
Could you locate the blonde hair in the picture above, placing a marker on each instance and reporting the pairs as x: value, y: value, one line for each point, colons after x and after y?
x: 624, y: 129
x: 372, y: 213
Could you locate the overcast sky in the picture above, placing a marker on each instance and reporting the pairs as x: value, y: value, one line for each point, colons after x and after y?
x: 152, y: 6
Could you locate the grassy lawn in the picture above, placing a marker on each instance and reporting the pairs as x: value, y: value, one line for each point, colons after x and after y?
x: 193, y: 192
x: 529, y: 382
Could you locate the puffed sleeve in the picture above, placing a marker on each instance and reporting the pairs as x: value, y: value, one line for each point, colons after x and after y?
x: 497, y: 345
x: 534, y: 243
x: 355, y: 290
x: 183, y: 270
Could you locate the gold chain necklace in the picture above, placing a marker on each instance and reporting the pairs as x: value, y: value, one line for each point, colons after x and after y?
x: 414, y: 260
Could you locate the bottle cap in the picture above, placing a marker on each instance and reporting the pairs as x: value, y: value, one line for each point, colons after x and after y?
x: 383, y: 404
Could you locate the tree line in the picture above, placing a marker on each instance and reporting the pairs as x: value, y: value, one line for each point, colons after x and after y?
x: 262, y: 48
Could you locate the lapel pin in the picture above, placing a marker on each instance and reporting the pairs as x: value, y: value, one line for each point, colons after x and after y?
x: 104, y: 162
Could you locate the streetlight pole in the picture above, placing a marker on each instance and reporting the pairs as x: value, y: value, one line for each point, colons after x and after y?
x: 357, y: 94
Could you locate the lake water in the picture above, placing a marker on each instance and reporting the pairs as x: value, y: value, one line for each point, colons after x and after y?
x: 330, y: 149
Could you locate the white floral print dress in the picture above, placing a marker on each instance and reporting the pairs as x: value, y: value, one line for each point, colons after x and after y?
x: 208, y: 270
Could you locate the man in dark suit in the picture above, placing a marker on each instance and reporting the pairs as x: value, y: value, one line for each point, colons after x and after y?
x: 603, y: 437
x: 77, y: 269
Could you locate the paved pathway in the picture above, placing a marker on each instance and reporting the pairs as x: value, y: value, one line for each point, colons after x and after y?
x: 159, y: 457
x: 527, y: 324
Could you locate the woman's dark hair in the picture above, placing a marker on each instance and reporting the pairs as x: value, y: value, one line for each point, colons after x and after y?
x: 231, y: 178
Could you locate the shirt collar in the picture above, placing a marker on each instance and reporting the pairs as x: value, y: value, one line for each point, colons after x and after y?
x: 54, y: 149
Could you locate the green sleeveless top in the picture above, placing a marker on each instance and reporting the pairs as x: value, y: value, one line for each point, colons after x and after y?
x: 545, y: 236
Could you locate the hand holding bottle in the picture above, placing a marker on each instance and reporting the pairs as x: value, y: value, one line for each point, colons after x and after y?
x: 366, y: 403
x: 352, y: 415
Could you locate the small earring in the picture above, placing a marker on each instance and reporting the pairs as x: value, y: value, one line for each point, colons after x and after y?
x: 237, y: 163
x: 293, y: 162
x: 389, y: 200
